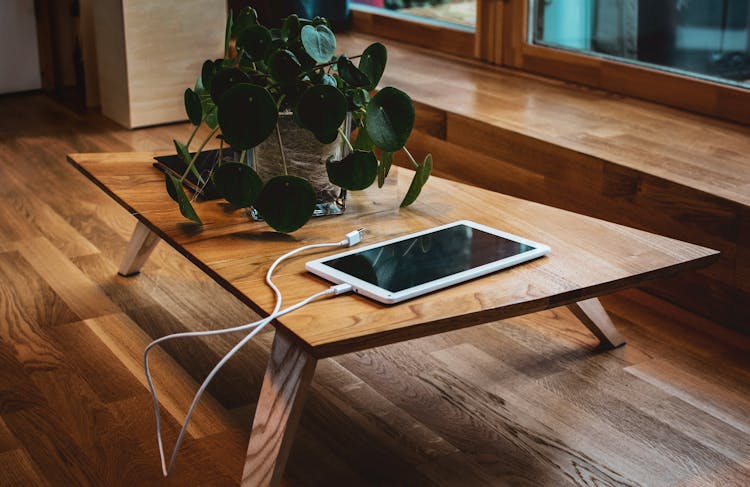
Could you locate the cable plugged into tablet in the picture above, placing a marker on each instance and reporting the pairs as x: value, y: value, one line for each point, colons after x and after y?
x: 352, y: 238
x: 342, y: 289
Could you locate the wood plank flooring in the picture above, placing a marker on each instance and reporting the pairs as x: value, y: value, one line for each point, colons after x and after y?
x: 527, y: 401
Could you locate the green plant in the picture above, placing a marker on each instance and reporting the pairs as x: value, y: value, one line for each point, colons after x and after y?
x: 294, y: 68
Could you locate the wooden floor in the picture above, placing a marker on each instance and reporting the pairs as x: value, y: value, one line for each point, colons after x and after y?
x: 527, y: 401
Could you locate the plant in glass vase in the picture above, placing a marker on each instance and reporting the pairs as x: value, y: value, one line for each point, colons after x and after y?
x: 286, y: 92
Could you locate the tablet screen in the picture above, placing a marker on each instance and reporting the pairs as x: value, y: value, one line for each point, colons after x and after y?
x: 401, y: 265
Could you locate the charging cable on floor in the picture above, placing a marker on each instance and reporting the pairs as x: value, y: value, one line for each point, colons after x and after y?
x: 351, y: 238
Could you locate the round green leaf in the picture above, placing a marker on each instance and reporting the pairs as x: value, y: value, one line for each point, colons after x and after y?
x: 177, y: 193
x: 386, y: 160
x: 193, y: 107
x: 390, y: 119
x: 321, y: 109
x: 326, y: 137
x: 372, y: 63
x: 228, y: 32
x: 319, y: 42
x: 199, y: 88
x: 225, y: 79
x: 421, y: 176
x: 362, y: 142
x: 238, y: 183
x: 254, y: 42
x: 305, y: 60
x: 284, y: 66
x: 211, y: 119
x: 329, y: 80
x: 354, y: 172
x: 247, y: 115
x: 290, y: 29
x: 207, y: 74
x: 349, y: 73
x: 286, y: 203
x: 245, y: 19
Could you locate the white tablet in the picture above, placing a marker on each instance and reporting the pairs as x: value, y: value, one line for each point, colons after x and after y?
x: 409, y: 266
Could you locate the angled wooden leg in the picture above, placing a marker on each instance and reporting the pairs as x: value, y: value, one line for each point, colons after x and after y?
x: 288, y: 375
x: 595, y: 317
x: 142, y: 243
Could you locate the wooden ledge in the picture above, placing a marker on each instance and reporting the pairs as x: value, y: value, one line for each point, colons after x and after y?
x: 696, y: 151
x: 629, y: 161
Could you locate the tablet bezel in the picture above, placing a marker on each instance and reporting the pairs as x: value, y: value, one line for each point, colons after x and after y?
x: 319, y: 267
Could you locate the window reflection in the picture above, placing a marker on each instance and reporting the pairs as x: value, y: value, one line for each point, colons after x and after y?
x: 457, y: 13
x: 707, y: 38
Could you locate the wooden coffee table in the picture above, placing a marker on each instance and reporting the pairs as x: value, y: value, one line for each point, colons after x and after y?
x: 589, y: 258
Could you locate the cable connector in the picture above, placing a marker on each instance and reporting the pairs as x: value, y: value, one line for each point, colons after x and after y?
x: 353, y: 238
x: 341, y: 288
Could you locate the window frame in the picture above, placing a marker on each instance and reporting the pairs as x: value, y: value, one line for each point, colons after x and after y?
x: 442, y: 38
x: 673, y: 89
x: 501, y: 37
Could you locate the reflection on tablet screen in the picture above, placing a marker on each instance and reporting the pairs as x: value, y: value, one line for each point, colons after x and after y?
x: 408, y: 263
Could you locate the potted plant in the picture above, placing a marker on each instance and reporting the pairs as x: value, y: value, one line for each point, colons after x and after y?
x: 277, y: 88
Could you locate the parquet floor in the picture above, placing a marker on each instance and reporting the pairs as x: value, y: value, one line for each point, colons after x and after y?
x: 527, y: 401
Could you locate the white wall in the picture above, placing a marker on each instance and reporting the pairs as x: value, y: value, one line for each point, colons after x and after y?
x: 19, y: 52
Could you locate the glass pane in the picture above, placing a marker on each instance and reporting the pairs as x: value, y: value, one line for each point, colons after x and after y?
x: 703, y: 38
x: 454, y: 13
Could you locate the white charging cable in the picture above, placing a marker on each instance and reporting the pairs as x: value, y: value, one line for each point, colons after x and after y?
x: 351, y: 238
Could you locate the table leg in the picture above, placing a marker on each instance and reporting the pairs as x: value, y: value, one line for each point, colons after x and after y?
x: 285, y: 384
x: 142, y: 243
x: 595, y: 317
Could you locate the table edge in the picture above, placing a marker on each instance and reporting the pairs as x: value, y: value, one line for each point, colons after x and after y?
x: 418, y: 330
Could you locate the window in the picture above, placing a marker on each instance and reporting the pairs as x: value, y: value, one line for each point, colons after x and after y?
x: 675, y: 52
x: 704, y: 38
x: 442, y: 25
x: 449, y: 13
x: 690, y: 54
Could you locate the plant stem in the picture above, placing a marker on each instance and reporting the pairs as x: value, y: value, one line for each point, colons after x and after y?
x: 346, y: 139
x: 208, y: 178
x: 411, y: 158
x: 281, y: 100
x: 198, y: 152
x: 195, y: 131
x: 220, y: 159
x: 333, y: 62
x: 281, y: 148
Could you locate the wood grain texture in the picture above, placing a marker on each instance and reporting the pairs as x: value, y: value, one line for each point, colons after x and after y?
x: 459, y: 42
x: 488, y: 36
x: 88, y: 52
x: 111, y: 60
x: 285, y: 384
x: 141, y: 244
x: 141, y: 82
x: 590, y: 257
x: 662, y: 86
x: 595, y: 318
x: 127, y: 342
x: 374, y: 418
x: 593, y: 152
x: 66, y: 280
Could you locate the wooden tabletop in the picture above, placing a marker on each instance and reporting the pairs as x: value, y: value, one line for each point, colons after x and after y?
x: 589, y: 257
